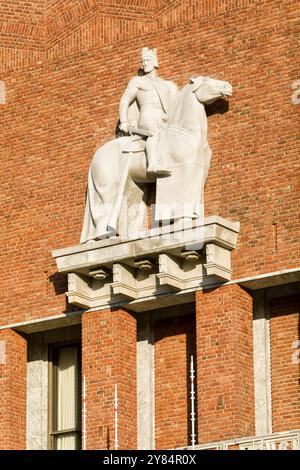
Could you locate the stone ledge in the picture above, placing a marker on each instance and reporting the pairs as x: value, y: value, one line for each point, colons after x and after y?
x: 45, y: 323
x: 160, y: 262
x: 277, y: 278
x: 220, y: 231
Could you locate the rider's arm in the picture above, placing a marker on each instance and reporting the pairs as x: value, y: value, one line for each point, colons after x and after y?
x: 127, y: 98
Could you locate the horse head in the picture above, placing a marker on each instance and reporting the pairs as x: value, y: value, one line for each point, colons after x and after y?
x: 207, y: 90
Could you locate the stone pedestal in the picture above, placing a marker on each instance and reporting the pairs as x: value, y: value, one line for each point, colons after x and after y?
x: 13, y: 368
x: 109, y: 359
x: 160, y: 267
x: 224, y: 364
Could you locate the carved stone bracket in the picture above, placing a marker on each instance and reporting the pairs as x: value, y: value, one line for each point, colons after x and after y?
x: 161, y: 262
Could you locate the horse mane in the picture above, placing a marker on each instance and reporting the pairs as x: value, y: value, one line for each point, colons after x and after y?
x: 186, y: 111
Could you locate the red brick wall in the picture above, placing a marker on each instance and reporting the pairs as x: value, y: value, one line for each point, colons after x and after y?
x: 59, y: 111
x: 22, y: 33
x: 13, y: 369
x: 63, y: 106
x: 109, y: 358
x: 34, y: 31
x: 174, y: 344
x: 224, y: 364
x: 285, y: 363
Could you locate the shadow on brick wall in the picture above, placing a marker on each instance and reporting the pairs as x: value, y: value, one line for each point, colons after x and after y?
x: 59, y: 282
x: 220, y: 106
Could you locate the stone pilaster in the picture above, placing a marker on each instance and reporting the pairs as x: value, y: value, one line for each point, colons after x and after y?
x: 146, y: 383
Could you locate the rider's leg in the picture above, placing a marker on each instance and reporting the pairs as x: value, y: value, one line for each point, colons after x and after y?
x: 151, y: 149
x: 154, y: 165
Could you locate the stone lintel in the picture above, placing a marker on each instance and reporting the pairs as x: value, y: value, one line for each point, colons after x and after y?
x: 276, y: 278
x: 45, y: 323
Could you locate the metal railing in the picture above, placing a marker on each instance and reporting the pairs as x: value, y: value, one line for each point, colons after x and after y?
x: 287, y: 440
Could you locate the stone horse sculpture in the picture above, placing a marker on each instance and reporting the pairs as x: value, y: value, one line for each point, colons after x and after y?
x: 119, y: 169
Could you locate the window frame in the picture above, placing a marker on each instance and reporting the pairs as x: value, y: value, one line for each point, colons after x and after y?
x: 53, y: 354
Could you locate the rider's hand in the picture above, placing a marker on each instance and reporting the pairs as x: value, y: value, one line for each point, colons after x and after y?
x: 124, y: 126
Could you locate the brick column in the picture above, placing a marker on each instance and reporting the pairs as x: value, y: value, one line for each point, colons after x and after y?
x: 224, y: 364
x: 13, y: 367
x: 109, y: 358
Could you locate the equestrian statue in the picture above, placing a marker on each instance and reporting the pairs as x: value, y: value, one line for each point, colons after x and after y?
x: 165, y: 142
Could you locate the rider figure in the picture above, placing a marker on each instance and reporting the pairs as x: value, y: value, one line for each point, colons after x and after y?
x: 154, y: 97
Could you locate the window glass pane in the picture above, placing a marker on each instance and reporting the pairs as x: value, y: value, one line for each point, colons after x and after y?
x: 67, y: 396
x: 66, y: 442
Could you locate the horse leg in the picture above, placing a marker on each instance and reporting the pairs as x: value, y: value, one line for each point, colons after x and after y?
x: 134, y: 208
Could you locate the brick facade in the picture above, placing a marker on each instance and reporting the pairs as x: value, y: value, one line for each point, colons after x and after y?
x: 224, y: 364
x: 60, y: 110
x: 13, y: 364
x: 109, y: 359
x: 65, y: 65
